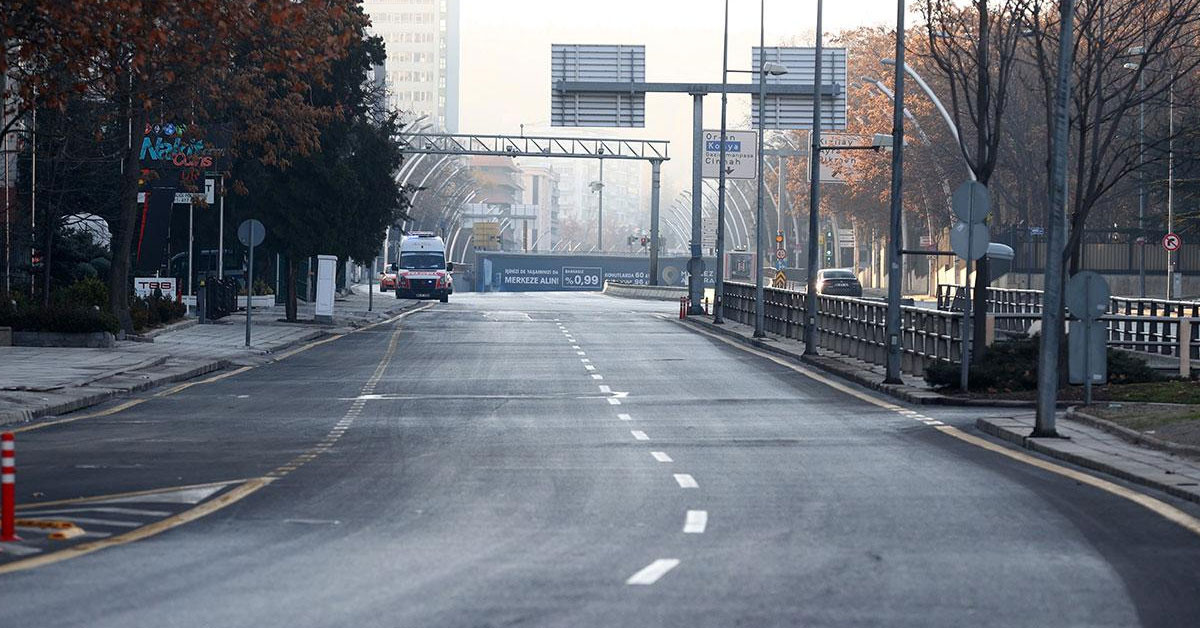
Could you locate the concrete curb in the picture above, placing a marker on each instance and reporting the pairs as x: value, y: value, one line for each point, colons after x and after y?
x: 902, y: 392
x: 1133, y: 436
x: 10, y: 417
x: 148, y: 336
x: 1045, y: 447
x: 651, y: 293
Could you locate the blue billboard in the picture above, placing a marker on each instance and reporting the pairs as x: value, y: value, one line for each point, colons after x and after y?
x: 530, y: 272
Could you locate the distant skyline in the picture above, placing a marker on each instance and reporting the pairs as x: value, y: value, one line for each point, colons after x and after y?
x: 505, y: 77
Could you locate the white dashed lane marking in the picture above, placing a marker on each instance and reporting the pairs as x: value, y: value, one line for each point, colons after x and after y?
x: 652, y: 572
x: 696, y: 522
x: 626, y: 417
x: 685, y: 480
x: 639, y: 435
x: 661, y: 456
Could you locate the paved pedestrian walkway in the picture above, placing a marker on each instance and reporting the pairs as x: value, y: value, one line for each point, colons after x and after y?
x: 43, y: 381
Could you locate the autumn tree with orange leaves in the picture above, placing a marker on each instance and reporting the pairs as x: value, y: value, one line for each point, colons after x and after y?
x: 251, y: 64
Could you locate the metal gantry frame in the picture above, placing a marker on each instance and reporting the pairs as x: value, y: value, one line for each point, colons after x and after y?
x: 698, y: 91
x: 456, y: 144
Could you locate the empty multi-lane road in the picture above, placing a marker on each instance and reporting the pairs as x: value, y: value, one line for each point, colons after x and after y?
x: 566, y: 460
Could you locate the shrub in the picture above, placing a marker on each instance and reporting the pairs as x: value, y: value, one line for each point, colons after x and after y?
x: 1012, y: 365
x: 57, y: 318
x: 155, y: 310
x: 86, y: 292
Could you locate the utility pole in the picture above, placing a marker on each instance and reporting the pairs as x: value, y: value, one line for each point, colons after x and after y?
x: 814, y: 197
x: 759, y: 306
x: 719, y: 292
x: 1052, y: 307
x: 895, y: 231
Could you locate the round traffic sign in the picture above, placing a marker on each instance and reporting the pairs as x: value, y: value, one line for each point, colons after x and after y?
x: 251, y: 232
x: 780, y: 253
x: 971, y: 202
x: 1087, y: 295
x: 779, y: 237
x: 969, y: 241
x: 1172, y: 242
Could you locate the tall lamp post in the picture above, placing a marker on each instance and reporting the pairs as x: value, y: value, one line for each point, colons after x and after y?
x: 764, y: 69
x: 719, y: 284
x: 814, y: 196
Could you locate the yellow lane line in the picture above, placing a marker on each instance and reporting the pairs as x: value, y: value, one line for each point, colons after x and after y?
x: 1163, y: 509
x: 244, y: 489
x: 146, y: 531
x: 181, y: 387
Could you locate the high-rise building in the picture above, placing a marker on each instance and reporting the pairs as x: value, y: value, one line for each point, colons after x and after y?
x: 422, y: 40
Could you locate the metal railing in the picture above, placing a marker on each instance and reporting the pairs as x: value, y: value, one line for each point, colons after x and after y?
x: 1145, y: 325
x: 851, y: 326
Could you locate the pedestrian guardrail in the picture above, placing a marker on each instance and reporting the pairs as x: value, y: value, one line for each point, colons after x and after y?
x: 1158, y: 326
x: 852, y: 326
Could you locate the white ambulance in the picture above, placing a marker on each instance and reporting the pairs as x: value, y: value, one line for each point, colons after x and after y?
x: 422, y: 272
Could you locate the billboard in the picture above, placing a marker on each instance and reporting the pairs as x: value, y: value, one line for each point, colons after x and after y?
x: 526, y: 272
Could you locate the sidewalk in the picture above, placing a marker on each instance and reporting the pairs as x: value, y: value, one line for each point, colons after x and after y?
x: 1081, y: 444
x: 44, y: 381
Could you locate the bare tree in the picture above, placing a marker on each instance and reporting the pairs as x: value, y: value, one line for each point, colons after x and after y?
x: 975, y: 48
x: 1127, y: 54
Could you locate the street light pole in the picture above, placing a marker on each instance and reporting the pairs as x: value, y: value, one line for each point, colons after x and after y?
x: 1052, y: 309
x: 1142, y: 184
x: 759, y: 313
x: 1170, y: 181
x: 600, y: 212
x: 719, y: 292
x: 814, y: 196
x: 892, y: 375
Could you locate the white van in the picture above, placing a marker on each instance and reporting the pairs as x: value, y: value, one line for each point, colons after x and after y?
x: 422, y: 272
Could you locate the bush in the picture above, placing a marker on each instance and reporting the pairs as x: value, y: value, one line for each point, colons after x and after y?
x: 155, y: 310
x: 86, y: 292
x: 1012, y: 365
x: 57, y: 318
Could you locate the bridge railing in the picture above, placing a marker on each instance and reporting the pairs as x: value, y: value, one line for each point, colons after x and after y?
x: 852, y: 326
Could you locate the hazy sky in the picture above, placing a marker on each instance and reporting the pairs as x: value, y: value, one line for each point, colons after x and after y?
x: 506, y: 56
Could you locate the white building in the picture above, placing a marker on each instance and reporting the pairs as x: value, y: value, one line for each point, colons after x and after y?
x: 422, y: 41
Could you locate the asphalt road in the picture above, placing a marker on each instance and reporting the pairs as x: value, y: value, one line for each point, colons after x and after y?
x: 566, y: 460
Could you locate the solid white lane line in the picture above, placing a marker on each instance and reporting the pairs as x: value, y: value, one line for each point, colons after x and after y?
x: 661, y: 456
x: 626, y: 417
x: 685, y: 480
x: 639, y: 435
x: 696, y: 522
x: 652, y: 572
x: 606, y: 389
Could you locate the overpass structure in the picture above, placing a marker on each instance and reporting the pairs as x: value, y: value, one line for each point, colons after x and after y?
x: 468, y: 144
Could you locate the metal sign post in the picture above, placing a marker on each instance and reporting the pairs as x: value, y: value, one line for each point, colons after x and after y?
x: 969, y: 240
x: 250, y: 233
x: 1087, y: 299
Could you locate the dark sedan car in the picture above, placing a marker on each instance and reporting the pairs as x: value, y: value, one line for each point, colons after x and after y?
x: 838, y: 282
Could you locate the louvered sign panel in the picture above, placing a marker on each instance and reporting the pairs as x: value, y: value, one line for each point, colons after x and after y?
x: 795, y: 112
x: 607, y: 64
